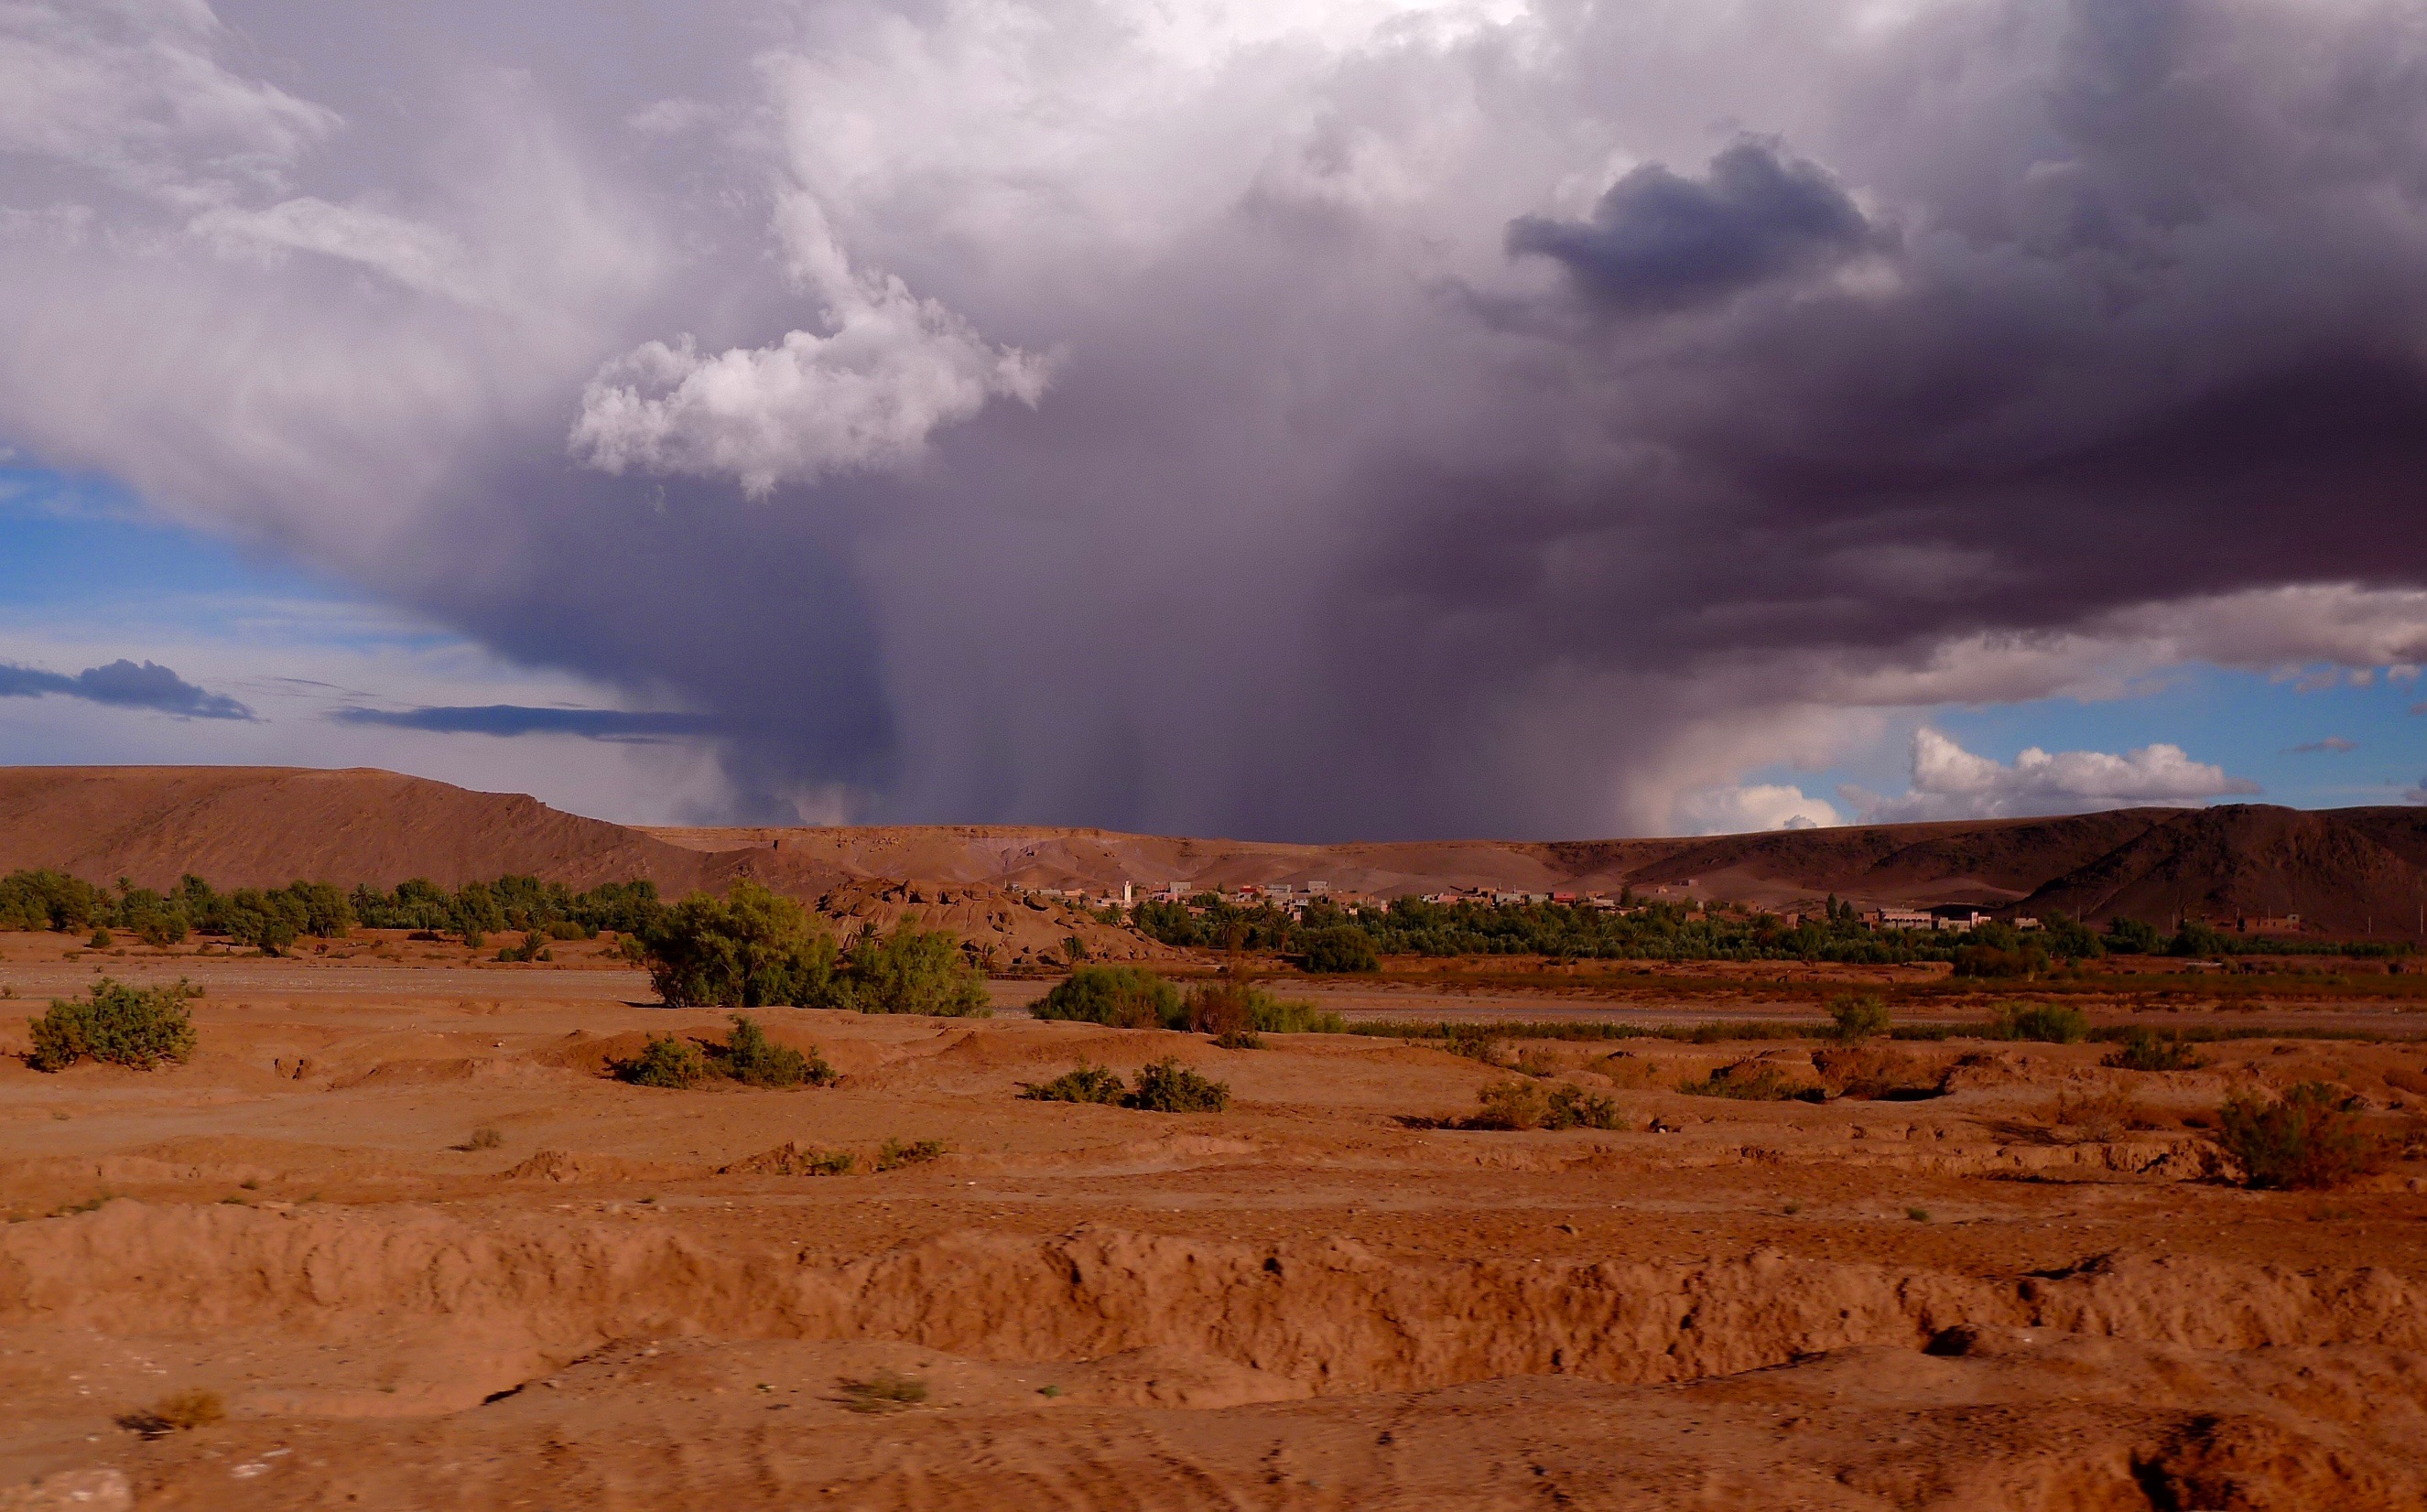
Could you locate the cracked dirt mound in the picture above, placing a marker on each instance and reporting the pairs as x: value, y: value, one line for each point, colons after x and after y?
x: 1828, y: 1384
x: 1334, y: 1317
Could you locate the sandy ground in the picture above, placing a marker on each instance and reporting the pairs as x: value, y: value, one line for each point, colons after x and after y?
x: 1975, y: 1300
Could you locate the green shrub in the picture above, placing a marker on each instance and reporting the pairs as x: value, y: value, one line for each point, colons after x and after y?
x: 2049, y: 1023
x: 1993, y: 961
x: 911, y: 970
x: 1859, y: 1018
x: 2133, y: 936
x: 751, y: 1058
x: 1226, y: 1007
x: 1080, y: 1084
x: 2196, y: 938
x: 1518, y: 1104
x: 1475, y: 1042
x: 1166, y: 1086
x: 1341, y: 947
x: 1122, y: 997
x: 753, y: 949
x: 160, y: 930
x: 1572, y: 1107
x: 2142, y: 1050
x: 1512, y: 1105
x: 101, y: 940
x: 119, y: 1024
x: 1279, y: 1015
x: 1752, y: 1081
x: 895, y: 1154
x: 533, y: 948
x: 2305, y: 1141
x: 666, y: 1063
x: 1238, y: 1039
x: 884, y: 1392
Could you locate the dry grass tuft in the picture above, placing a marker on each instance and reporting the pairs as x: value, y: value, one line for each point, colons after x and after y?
x: 179, y: 1413
x: 885, y: 1392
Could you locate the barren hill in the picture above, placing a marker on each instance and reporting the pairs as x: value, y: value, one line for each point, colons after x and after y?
x: 2348, y: 869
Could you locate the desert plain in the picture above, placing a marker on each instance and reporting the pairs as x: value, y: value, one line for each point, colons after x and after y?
x: 416, y: 1246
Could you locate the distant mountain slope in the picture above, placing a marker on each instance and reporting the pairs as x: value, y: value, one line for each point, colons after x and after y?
x: 267, y: 826
x: 2347, y: 870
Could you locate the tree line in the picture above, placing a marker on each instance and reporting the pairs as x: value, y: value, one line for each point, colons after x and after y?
x: 273, y: 919
x: 1325, y: 935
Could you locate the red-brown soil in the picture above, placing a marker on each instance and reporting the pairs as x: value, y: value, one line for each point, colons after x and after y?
x: 2038, y: 1290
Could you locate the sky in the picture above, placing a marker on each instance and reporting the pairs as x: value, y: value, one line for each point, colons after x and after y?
x: 1383, y: 419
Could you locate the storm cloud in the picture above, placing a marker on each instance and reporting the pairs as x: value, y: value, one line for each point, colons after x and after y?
x: 1363, y: 418
x: 1657, y: 241
x: 126, y: 684
x: 511, y: 720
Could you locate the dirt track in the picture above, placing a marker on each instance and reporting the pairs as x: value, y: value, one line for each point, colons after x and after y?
x: 1956, y: 1302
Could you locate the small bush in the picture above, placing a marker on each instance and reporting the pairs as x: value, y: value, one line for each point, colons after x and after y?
x: 884, y: 1392
x: 666, y: 1063
x: 1341, y: 947
x: 2049, y: 1023
x: 2142, y: 1050
x: 1512, y: 1105
x: 1856, y: 1018
x: 101, y: 940
x: 2306, y: 1141
x: 1752, y: 1081
x: 1166, y: 1086
x: 1238, y: 1039
x: 1572, y: 1107
x: 1517, y: 1104
x: 180, y: 1413
x: 160, y: 931
x: 1993, y: 961
x: 1225, y: 1007
x: 119, y: 1024
x: 1080, y: 1084
x: 895, y: 1154
x: 1474, y: 1042
x: 751, y: 1058
x: 1537, y: 1063
x: 533, y: 948
x: 485, y: 1137
x: 828, y: 1163
x: 1119, y: 996
x: 1871, y: 1073
x: 2100, y: 1117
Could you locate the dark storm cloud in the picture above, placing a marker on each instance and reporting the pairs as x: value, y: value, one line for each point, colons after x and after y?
x: 1399, y: 467
x: 2177, y: 352
x: 126, y: 684
x: 1660, y: 242
x: 516, y: 719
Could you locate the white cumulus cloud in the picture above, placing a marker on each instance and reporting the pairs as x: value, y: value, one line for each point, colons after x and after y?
x: 891, y: 370
x: 1746, y: 807
x: 1949, y: 782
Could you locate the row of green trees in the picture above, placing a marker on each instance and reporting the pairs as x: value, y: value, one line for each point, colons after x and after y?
x: 273, y: 919
x: 1326, y: 936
